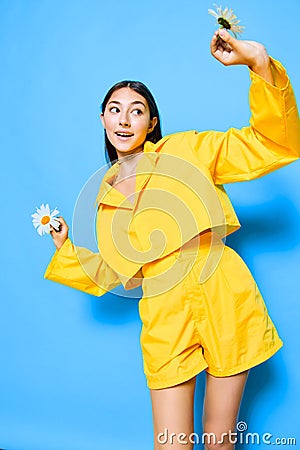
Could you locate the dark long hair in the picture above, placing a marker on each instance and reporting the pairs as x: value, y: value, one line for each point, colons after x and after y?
x: 140, y: 88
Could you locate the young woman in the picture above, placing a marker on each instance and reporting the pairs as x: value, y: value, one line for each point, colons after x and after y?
x: 162, y: 214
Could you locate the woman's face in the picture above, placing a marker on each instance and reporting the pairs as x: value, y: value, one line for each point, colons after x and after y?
x: 127, y: 122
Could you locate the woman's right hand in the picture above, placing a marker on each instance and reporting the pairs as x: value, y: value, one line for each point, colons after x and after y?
x: 59, y: 237
x: 230, y: 51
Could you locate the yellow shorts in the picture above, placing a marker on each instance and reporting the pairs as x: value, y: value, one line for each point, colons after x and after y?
x: 221, y: 325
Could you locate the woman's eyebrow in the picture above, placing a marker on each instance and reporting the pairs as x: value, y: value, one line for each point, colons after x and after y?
x: 136, y: 102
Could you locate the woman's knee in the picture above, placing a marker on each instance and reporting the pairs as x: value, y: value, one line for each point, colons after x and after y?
x: 217, y: 438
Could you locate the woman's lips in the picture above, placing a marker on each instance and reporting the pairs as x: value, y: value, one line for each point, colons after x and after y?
x: 123, y: 136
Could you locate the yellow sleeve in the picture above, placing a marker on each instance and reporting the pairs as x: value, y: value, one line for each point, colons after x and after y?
x: 271, y: 141
x: 81, y: 269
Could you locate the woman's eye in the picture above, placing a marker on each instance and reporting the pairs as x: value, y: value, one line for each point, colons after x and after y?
x: 114, y: 109
x: 137, y: 112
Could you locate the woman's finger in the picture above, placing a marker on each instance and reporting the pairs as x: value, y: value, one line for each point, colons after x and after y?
x: 52, y: 230
x: 227, y: 38
x: 214, y: 43
x: 62, y: 224
x: 62, y: 221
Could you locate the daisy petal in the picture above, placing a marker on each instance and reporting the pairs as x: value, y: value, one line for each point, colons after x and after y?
x: 47, y: 208
x: 42, y: 210
x: 40, y: 230
x: 54, y: 212
x: 213, y: 13
x: 54, y: 223
x: 43, y: 215
x: 47, y: 228
x: 227, y: 15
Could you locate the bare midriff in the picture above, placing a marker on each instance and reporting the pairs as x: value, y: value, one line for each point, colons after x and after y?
x: 204, y: 236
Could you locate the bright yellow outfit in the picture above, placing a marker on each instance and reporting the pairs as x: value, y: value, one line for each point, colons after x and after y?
x: 219, y: 322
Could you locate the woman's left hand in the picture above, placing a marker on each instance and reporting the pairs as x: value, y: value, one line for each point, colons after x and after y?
x: 230, y: 51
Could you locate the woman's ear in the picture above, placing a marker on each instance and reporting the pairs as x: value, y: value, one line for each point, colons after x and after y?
x: 152, y: 124
x: 102, y: 119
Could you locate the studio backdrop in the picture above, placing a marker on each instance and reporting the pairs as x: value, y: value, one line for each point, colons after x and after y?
x: 71, y: 366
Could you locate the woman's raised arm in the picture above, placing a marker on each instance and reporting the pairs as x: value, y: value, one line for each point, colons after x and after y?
x: 272, y: 138
x: 230, y: 51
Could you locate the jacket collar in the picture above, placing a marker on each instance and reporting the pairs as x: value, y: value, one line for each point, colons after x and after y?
x: 111, y: 196
x: 151, y: 147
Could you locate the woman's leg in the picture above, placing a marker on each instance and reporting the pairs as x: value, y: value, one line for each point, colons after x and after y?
x: 221, y: 406
x: 173, y: 412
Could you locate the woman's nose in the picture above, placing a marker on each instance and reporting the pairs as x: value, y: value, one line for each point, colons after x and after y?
x: 124, y: 121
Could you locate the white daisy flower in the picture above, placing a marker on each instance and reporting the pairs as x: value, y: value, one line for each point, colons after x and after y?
x: 227, y: 19
x: 43, y: 218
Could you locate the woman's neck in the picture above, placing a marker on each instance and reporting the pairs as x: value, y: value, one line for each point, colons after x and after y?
x: 127, y: 164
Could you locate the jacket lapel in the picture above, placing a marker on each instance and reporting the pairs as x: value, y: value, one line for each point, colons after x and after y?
x: 146, y: 165
x: 110, y: 196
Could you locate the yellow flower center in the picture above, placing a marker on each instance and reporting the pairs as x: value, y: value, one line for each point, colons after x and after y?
x: 45, y: 220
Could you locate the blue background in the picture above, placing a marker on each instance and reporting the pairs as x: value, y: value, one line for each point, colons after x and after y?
x: 71, y: 370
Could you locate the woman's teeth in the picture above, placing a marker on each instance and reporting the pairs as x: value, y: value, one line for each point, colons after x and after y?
x: 124, y: 134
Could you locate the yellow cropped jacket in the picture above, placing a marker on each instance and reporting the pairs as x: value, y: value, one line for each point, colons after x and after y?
x: 179, y: 191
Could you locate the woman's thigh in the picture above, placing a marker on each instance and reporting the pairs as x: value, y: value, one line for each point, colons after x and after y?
x: 222, y: 401
x: 173, y: 416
